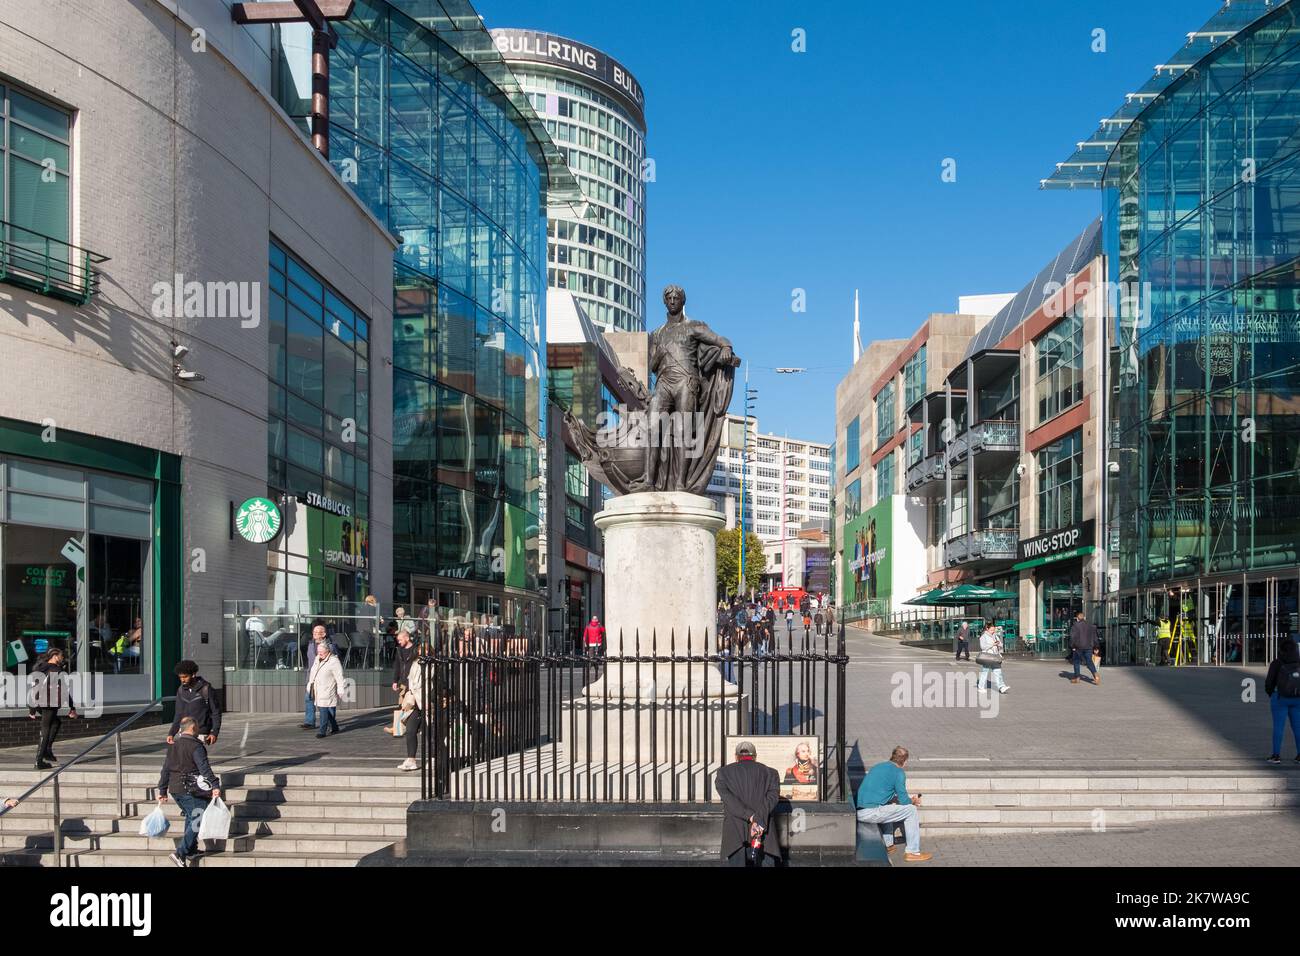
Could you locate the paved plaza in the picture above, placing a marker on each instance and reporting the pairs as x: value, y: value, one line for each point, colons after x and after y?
x: 1140, y: 717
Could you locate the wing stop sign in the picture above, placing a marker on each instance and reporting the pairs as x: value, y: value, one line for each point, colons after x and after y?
x: 258, y: 520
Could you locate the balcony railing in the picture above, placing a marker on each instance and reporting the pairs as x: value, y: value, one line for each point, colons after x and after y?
x: 925, y: 471
x: 31, y: 260
x: 990, y: 436
x: 990, y: 544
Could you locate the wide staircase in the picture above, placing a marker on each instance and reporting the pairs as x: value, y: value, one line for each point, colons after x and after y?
x: 281, y: 818
x: 958, y: 802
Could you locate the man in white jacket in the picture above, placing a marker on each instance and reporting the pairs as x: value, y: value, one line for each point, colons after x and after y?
x: 325, y: 686
x: 414, y: 703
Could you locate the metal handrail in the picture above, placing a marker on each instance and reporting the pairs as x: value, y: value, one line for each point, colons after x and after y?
x: 116, y: 734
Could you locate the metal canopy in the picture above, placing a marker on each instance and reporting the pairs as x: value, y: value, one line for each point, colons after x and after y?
x: 1086, y: 166
x: 461, y: 26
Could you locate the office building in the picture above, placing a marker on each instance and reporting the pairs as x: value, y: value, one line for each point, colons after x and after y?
x: 594, y: 110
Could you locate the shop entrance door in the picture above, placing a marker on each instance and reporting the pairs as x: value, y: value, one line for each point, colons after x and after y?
x: 1269, y: 609
x: 1219, y: 614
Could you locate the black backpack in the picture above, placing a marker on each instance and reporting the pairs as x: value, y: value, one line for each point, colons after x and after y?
x: 1288, y: 678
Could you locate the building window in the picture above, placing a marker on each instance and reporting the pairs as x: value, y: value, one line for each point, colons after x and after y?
x: 851, y: 452
x: 36, y: 148
x: 1060, y: 483
x: 1059, y: 355
x: 885, y: 412
x: 75, y: 553
x: 885, y: 477
x: 914, y: 378
x: 915, y: 447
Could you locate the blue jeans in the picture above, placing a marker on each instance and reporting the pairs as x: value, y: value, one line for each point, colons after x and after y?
x: 893, y: 814
x: 191, y: 812
x: 327, y: 718
x: 1284, y: 708
x: 1082, y: 656
x: 310, y: 716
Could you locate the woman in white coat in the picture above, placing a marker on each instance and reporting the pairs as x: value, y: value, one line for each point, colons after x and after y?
x: 414, y: 703
x: 326, y: 687
x: 990, y: 659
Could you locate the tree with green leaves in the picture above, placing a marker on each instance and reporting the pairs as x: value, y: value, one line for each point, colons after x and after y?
x: 728, y: 552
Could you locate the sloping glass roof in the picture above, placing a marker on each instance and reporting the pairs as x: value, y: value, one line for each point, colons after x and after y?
x: 1087, y: 165
x: 461, y: 26
x: 1069, y: 261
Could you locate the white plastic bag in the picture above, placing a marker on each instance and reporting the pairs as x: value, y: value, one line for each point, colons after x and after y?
x: 155, y: 824
x: 215, y: 824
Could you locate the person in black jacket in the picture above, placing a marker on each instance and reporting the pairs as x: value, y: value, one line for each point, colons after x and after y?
x: 1083, y: 641
x: 47, y: 695
x: 195, y: 698
x: 749, y: 791
x: 188, y: 777
x: 1282, y: 688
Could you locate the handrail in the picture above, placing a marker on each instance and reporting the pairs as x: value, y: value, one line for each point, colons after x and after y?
x: 116, y: 734
x: 68, y: 764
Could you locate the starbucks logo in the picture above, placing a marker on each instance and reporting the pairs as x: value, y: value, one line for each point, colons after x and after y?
x: 257, y: 520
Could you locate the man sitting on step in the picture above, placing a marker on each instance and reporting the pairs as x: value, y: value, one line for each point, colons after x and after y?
x: 883, y: 798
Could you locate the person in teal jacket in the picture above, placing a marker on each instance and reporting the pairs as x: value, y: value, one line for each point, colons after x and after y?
x: 883, y: 798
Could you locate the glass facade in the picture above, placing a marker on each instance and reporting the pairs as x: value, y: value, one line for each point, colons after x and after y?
x: 886, y: 413
x: 1060, y: 483
x: 437, y: 152
x: 885, y: 477
x: 1059, y: 357
x: 1203, y: 204
x: 76, y: 557
x: 600, y: 260
x: 852, y: 451
x: 914, y: 378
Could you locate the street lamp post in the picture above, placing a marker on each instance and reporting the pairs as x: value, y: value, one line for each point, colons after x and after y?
x: 751, y: 398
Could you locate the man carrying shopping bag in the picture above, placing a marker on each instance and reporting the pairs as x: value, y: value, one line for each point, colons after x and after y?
x: 187, y: 776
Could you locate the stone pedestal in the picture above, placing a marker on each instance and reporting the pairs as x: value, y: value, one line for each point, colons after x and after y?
x: 660, y: 597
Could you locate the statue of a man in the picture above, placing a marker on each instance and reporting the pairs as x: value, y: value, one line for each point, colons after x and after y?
x: 683, y: 415
x: 693, y: 368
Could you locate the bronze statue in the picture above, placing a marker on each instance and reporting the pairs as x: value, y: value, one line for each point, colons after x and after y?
x: 671, y: 443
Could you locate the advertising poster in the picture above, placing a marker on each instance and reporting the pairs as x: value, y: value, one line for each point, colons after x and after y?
x: 868, y: 564
x: 797, y: 760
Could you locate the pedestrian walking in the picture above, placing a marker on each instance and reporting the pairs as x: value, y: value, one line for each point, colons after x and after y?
x: 196, y: 700
x: 807, y: 624
x: 593, y: 637
x: 377, y: 631
x: 990, y: 659
x: 415, y: 703
x: 830, y: 619
x: 883, y: 800
x: 324, y: 686
x: 789, y: 624
x: 1282, y: 686
x: 318, y: 636
x: 818, y: 620
x: 749, y: 792
x: 963, y: 640
x: 1083, y: 643
x: 188, y: 778
x: 47, y: 696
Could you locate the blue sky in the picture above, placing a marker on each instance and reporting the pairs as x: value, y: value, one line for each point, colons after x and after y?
x: 820, y: 170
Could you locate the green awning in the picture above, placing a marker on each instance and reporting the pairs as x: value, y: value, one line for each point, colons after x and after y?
x: 961, y: 595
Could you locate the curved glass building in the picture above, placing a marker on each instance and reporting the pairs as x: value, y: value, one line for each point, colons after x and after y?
x: 441, y: 147
x: 594, y: 110
x: 1201, y: 179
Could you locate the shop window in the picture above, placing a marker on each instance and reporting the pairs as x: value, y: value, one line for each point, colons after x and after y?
x: 1060, y: 483
x: 1059, y: 355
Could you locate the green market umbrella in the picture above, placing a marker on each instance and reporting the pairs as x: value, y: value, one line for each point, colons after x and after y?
x: 960, y: 596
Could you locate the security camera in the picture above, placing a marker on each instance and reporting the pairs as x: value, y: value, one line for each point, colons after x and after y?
x: 179, y: 351
x: 1020, y: 470
x: 1113, y: 468
x: 185, y: 375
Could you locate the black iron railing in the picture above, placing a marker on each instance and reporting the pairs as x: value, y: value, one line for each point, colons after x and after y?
x: 653, y: 723
x: 50, y: 266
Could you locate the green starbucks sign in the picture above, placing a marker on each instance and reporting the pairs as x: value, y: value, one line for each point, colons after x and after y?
x: 258, y: 520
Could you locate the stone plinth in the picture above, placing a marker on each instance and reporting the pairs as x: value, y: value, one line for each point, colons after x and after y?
x: 674, y: 732
x: 660, y: 596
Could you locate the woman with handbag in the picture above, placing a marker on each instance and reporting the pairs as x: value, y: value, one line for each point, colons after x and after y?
x: 990, y: 659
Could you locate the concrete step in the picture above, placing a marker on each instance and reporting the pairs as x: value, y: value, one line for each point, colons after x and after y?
x: 303, y: 844
x: 318, y: 824
x: 250, y: 809
x: 927, y: 782
x: 980, y: 799
x: 1082, y: 818
x: 114, y: 858
x: 391, y: 778
x: 83, y: 795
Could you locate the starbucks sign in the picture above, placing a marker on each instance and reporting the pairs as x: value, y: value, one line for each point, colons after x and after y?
x: 258, y: 520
